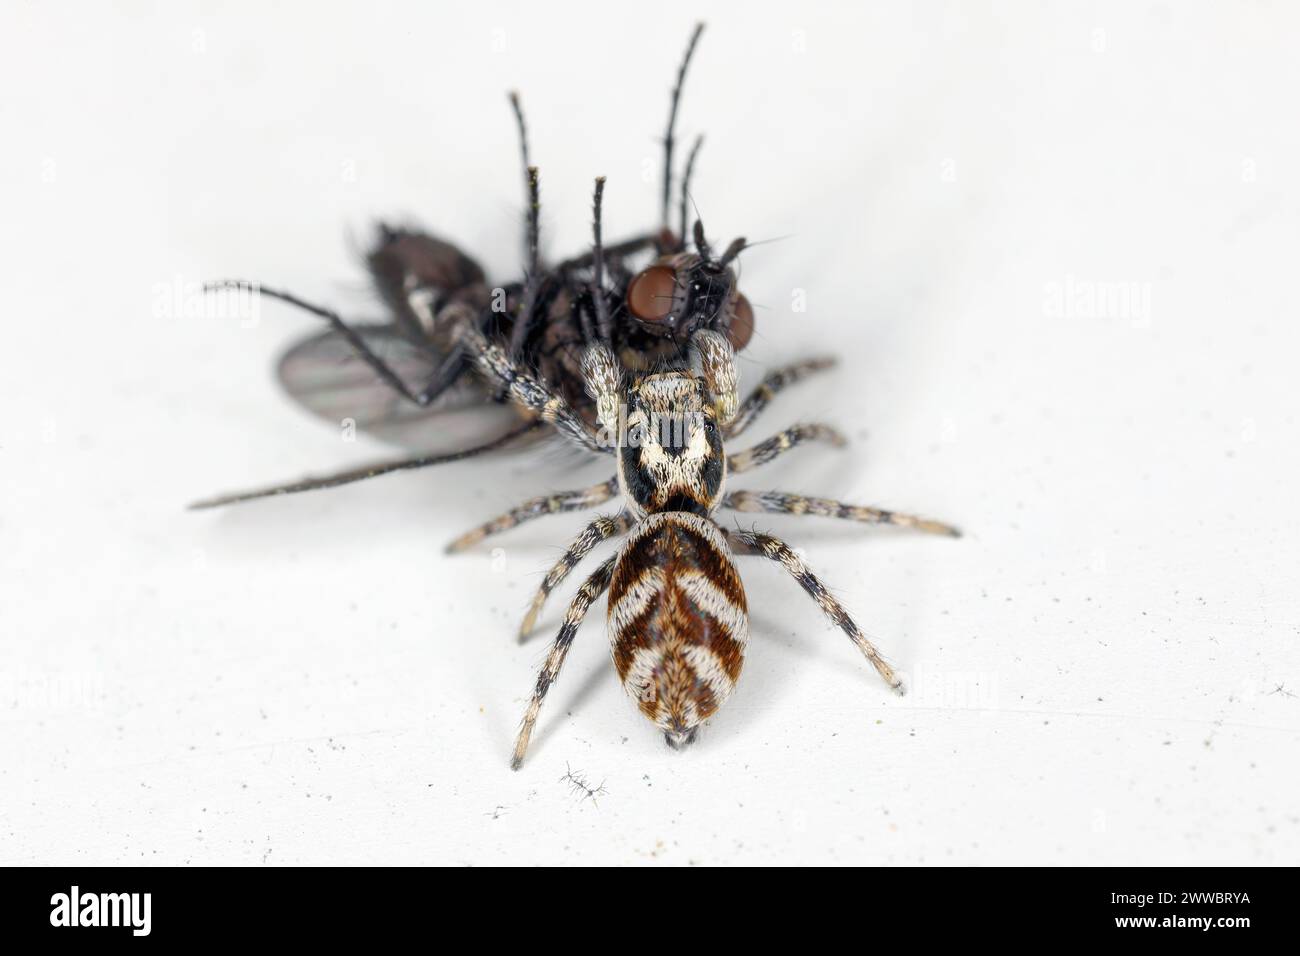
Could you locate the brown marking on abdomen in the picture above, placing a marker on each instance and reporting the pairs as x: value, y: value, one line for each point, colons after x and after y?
x: 678, y: 620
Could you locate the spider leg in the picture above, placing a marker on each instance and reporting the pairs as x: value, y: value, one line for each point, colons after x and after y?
x: 537, y: 508
x: 772, y: 384
x: 755, y: 542
x: 782, y: 503
x: 602, y: 529
x: 366, y: 471
x: 604, y: 377
x: 718, y: 365
x: 527, y: 391
x: 591, y: 589
x: 780, y: 443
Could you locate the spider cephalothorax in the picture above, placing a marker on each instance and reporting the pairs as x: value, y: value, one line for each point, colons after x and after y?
x: 670, y: 453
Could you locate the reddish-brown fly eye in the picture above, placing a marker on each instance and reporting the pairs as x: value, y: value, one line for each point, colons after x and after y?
x: 741, y: 329
x: 650, y: 295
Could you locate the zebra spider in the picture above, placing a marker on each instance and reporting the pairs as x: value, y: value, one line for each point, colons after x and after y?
x: 678, y: 617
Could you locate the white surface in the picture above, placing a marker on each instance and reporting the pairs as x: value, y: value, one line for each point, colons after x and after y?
x: 1096, y: 666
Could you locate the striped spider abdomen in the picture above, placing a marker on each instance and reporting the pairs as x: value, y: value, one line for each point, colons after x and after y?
x: 678, y: 621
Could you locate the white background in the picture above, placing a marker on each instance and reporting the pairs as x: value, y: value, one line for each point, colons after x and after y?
x: 1105, y: 670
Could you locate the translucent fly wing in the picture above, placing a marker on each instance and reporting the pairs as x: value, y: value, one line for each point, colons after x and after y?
x: 323, y: 374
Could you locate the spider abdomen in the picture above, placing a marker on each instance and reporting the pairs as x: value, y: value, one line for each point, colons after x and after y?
x: 678, y: 621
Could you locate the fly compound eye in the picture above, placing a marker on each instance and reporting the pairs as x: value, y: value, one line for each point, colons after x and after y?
x: 741, y: 329
x: 650, y: 295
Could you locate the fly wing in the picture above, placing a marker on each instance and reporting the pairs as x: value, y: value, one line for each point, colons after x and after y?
x: 324, y: 375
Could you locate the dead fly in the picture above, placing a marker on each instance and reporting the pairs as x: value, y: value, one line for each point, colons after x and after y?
x: 418, y: 362
x: 678, y: 616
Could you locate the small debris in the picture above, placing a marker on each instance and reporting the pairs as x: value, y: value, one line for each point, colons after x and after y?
x: 579, y: 785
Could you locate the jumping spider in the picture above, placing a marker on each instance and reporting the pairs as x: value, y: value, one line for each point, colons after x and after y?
x: 677, y: 615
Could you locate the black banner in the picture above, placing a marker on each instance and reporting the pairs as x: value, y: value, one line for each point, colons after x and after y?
x: 133, y: 907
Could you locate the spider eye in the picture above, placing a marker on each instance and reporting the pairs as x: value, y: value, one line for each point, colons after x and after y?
x: 741, y: 329
x: 650, y: 295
